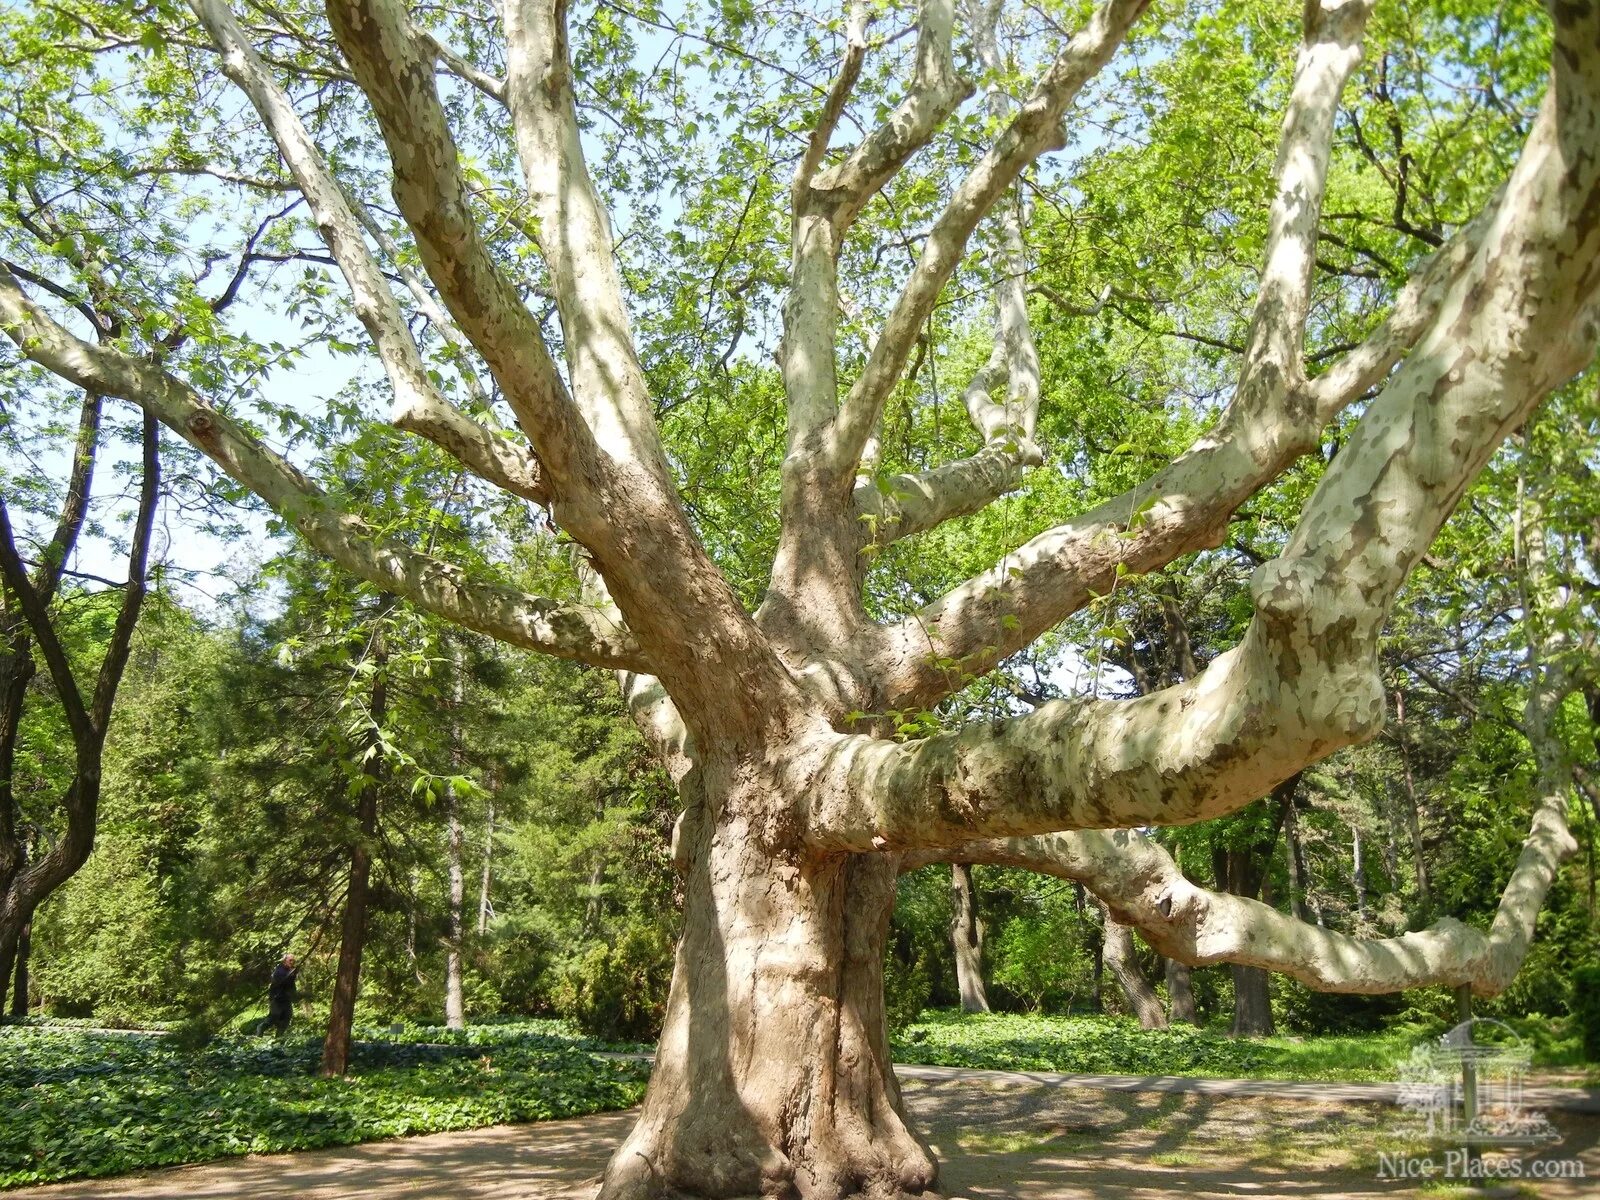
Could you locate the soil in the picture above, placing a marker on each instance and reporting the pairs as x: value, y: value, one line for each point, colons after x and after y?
x: 997, y: 1140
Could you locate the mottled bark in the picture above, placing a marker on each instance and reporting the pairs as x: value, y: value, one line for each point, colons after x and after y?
x: 772, y: 1073
x: 966, y: 939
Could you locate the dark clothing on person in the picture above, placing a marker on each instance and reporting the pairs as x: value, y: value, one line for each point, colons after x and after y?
x: 280, y: 1000
x: 282, y: 984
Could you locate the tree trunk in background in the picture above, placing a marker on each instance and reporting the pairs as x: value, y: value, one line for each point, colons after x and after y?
x: 1243, y: 870
x: 19, y: 994
x: 454, y: 1007
x: 1080, y: 900
x: 597, y: 878
x: 1413, y: 818
x: 1180, y: 993
x: 1359, y: 875
x: 488, y: 863
x: 1121, y: 957
x: 1252, y: 1003
x: 1297, y: 883
x: 966, y: 936
x: 347, y: 982
x: 455, y: 1016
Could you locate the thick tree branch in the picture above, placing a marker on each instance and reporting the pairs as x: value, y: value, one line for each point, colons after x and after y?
x: 1035, y: 129
x: 1518, y: 323
x: 923, y: 501
x: 575, y: 236
x: 1272, y: 420
x: 418, y: 405
x: 393, y: 65
x: 1143, y: 887
x: 899, y: 506
x: 563, y: 630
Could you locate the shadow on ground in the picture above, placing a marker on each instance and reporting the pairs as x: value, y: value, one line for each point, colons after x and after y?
x: 997, y: 1142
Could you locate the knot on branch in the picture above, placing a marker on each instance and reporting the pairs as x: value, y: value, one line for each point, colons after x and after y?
x: 1281, y: 591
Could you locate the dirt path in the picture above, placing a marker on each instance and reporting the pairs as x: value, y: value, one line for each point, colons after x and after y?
x: 1000, y: 1138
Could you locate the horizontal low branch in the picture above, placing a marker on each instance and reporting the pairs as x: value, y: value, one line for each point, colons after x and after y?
x: 1145, y: 888
x: 572, y: 631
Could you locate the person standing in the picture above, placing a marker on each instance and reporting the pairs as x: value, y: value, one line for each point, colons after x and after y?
x: 280, y: 997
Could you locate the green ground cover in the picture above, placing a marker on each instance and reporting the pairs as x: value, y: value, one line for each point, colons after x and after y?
x: 82, y: 1104
x: 1117, y: 1046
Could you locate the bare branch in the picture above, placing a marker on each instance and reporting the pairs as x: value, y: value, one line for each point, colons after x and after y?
x: 489, y: 85
x: 1273, y: 358
x: 1006, y: 425
x: 575, y: 236
x: 394, y: 69
x: 1272, y: 419
x: 936, y: 90
x: 902, y: 505
x: 563, y: 630
x: 855, y: 54
x: 1363, y: 368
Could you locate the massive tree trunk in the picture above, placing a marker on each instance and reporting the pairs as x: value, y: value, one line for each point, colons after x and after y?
x: 772, y: 1074
x: 966, y: 939
x: 1121, y: 956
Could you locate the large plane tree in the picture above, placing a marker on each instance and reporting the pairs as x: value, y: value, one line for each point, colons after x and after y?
x: 445, y: 157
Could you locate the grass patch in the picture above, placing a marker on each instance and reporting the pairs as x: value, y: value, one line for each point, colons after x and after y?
x: 84, y: 1104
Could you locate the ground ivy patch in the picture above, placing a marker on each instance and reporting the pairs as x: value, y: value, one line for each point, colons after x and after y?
x: 83, y: 1104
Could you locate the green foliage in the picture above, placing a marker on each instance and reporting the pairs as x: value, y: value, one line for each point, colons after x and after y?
x: 1116, y: 1045
x: 80, y: 1104
x: 618, y: 990
x: 1586, y: 1009
x: 906, y: 991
